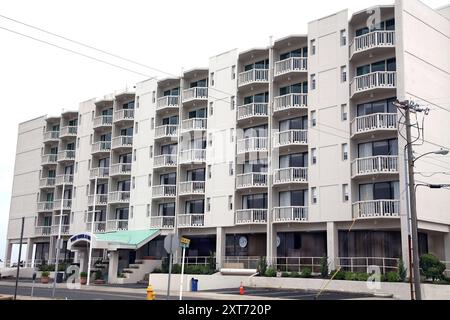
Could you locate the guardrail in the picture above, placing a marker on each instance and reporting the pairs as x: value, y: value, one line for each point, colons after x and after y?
x: 291, y: 64
x: 252, y: 76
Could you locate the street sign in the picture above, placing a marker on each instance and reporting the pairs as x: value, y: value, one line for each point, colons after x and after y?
x: 171, y: 243
x: 184, y: 242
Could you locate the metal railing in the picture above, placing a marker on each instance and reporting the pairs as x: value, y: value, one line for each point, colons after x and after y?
x: 49, y: 159
x: 194, y: 124
x: 64, y: 179
x: 377, y: 164
x: 101, y: 146
x: 68, y: 131
x: 291, y: 64
x: 166, y: 131
x: 119, y: 196
x: 192, y: 187
x: 292, y: 100
x: 380, y: 79
x: 193, y: 155
x: 240, y: 262
x: 252, y: 110
x: 162, y: 222
x: 122, y: 141
x: 168, y: 102
x: 253, y: 179
x: 117, y: 225
x: 252, y: 144
x: 289, y: 175
x: 65, y: 229
x: 100, y: 172
x: 254, y: 75
x: 66, y: 155
x: 165, y: 160
x: 376, y: 209
x: 290, y: 214
x: 195, y: 93
x: 193, y: 260
x: 376, y: 121
x: 103, y: 121
x: 362, y: 264
x: 66, y: 204
x: 43, y: 230
x: 289, y: 137
x: 372, y: 40
x: 101, y: 199
x: 164, y: 191
x: 120, y: 169
x: 99, y: 226
x: 297, y: 264
x: 45, y: 206
x: 51, y: 135
x: 251, y: 216
x: 124, y: 114
x: 191, y: 220
x: 47, y: 182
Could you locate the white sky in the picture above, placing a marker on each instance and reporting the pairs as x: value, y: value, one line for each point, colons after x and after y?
x: 36, y: 79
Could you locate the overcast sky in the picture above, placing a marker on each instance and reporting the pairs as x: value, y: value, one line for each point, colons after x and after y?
x: 37, y: 79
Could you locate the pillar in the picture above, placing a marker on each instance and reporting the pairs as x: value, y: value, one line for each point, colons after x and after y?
x: 113, y: 266
x: 447, y: 246
x: 220, y: 247
x: 52, y: 250
x: 271, y: 244
x: 332, y: 244
x: 8, y: 253
x: 404, y: 235
x: 29, y: 254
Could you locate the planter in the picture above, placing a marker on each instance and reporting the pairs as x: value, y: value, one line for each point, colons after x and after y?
x: 83, y: 280
x: 100, y: 281
x: 44, y: 280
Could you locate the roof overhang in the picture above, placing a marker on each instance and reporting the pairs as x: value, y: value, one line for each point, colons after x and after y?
x: 361, y: 16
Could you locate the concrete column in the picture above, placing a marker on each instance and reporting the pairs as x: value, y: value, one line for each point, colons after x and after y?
x: 113, y: 266
x: 404, y: 232
x: 29, y: 253
x: 271, y: 245
x: 8, y: 253
x: 447, y: 246
x: 52, y: 250
x: 332, y: 244
x: 220, y: 247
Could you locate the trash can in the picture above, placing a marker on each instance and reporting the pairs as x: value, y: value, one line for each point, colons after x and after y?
x: 194, y: 285
x: 59, y: 277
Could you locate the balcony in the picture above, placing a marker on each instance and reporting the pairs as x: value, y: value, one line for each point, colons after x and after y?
x: 254, y: 144
x: 251, y: 216
x: 104, y: 121
x: 253, y: 77
x: 195, y: 94
x: 191, y: 220
x: 99, y: 173
x: 290, y: 103
x: 65, y: 229
x: 100, y: 200
x: 379, y: 165
x: 192, y: 188
x: 291, y: 138
x: 194, y: 124
x: 45, y: 206
x: 290, y: 175
x: 164, y: 191
x: 193, y: 156
x: 123, y: 115
x: 376, y: 209
x: 49, y: 159
x: 42, y: 231
x: 66, y: 204
x: 122, y: 142
x: 290, y: 214
x: 120, y: 169
x: 372, y: 41
x: 101, y: 147
x: 368, y: 83
x: 166, y: 131
x: 99, y: 227
x: 119, y: 197
x: 168, y: 102
x: 68, y: 131
x: 66, y: 155
x: 252, y: 111
x: 47, y: 182
x: 64, y: 179
x: 117, y: 225
x: 251, y: 180
x: 291, y: 66
x: 51, y: 136
x: 165, y: 161
x: 162, y: 222
x: 366, y: 125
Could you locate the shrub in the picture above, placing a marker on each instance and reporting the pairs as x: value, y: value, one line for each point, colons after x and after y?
x: 362, y: 276
x: 350, y: 276
x: 262, y: 266
x: 271, y: 272
x: 211, y: 261
x: 98, y: 275
x: 285, y: 275
x: 338, y: 274
x: 157, y: 270
x: 294, y: 275
x: 431, y: 267
x: 176, y: 268
x: 45, y: 274
x: 324, y: 267
x: 306, y: 273
x: 401, y: 270
x: 392, y: 277
x: 83, y: 274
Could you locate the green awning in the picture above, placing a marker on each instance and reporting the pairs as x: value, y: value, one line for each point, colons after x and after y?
x: 129, y: 239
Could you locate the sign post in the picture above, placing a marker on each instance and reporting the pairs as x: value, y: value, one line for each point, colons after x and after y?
x: 171, y: 245
x: 184, y: 243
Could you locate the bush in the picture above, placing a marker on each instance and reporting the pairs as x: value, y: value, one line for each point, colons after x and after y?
x: 285, y: 275
x: 324, y: 267
x: 176, y: 269
x: 157, y: 270
x: 295, y: 275
x: 83, y: 274
x: 392, y: 277
x: 198, y: 269
x: 271, y: 272
x: 262, y: 266
x: 306, y: 273
x: 338, y: 274
x: 362, y: 276
x: 401, y: 270
x: 98, y: 275
x: 45, y: 274
x: 165, y: 264
x: 211, y: 261
x: 431, y: 267
x: 351, y: 276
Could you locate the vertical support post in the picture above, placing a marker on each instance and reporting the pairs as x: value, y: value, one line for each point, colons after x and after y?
x: 182, y: 273
x: 58, y: 242
x: 332, y: 244
x: 92, y: 234
x: 18, y: 258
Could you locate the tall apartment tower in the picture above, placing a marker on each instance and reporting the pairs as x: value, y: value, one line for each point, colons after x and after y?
x: 293, y: 152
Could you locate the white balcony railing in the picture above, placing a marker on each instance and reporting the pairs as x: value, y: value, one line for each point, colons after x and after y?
x: 119, y: 197
x: 290, y: 175
x: 372, y: 40
x: 101, y: 146
x: 120, y: 169
x: 191, y: 220
x: 192, y: 187
x: 252, y: 110
x: 45, y: 206
x: 122, y: 142
x: 66, y: 155
x: 49, y: 159
x: 99, y: 226
x: 193, y: 156
x: 249, y: 180
x: 117, y: 225
x: 373, y: 122
x: 51, y: 136
x: 66, y: 204
x: 377, y: 164
x: 197, y: 93
x: 43, y: 230
x: 167, y: 102
x: 47, y: 182
x: 165, y: 160
x: 166, y: 131
x: 100, y: 199
x: 103, y: 121
x: 376, y: 209
x: 162, y: 222
x: 194, y: 124
x: 100, y: 173
x: 253, y: 144
x: 65, y: 229
x: 64, y: 179
x: 290, y: 101
x: 374, y: 80
x: 68, y: 131
x: 291, y: 137
x: 124, y: 114
x: 164, y: 191
x: 290, y: 65
x: 290, y: 214
x: 253, y: 76
x: 251, y: 216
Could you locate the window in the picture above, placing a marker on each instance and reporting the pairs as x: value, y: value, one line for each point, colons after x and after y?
x: 254, y: 201
x: 313, y: 82
x: 153, y: 97
x: 133, y: 182
x: 381, y: 106
x: 195, y: 207
x: 233, y: 72
x: 231, y: 168
x: 209, y: 171
x: 148, y: 210
x: 230, y: 203
x: 211, y: 79
x: 151, y: 152
x: 208, y: 204
x: 344, y: 112
x: 383, y: 65
x: 379, y: 191
x: 344, y: 151
x: 233, y: 102
x: 313, y: 47
x: 314, y: 199
x: 313, y: 118
x: 211, y: 108
x: 297, y: 198
x: 295, y: 160
x: 134, y: 155
x: 231, y: 134
x: 149, y: 182
x: 195, y: 175
x: 345, y: 194
x: 152, y: 123
x: 378, y: 148
x: 136, y: 127
x: 344, y: 74
x: 314, y: 156
x: 343, y: 38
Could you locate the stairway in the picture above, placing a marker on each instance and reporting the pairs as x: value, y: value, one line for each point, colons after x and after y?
x: 138, y: 270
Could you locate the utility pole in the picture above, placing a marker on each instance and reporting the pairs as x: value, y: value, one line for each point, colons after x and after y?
x: 18, y: 259
x: 59, y: 240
